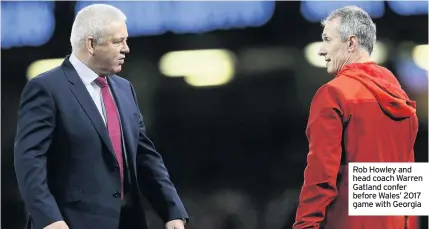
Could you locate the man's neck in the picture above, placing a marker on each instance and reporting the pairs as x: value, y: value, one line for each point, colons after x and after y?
x: 81, y: 57
x: 360, y: 57
x: 84, y: 60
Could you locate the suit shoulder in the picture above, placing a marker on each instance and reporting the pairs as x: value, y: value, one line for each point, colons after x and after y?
x: 53, y: 73
x: 48, y: 78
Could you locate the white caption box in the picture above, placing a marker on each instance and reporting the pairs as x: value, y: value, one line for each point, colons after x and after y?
x: 379, y: 189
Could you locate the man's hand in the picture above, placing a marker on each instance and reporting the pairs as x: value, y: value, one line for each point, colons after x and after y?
x: 57, y: 225
x: 175, y: 224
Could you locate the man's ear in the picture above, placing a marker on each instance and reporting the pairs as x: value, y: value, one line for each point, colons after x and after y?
x: 352, y: 43
x: 90, y: 44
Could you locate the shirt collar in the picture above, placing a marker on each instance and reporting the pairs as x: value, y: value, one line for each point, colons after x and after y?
x: 86, y: 74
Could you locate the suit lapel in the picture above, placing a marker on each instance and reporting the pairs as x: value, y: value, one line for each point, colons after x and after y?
x: 83, y: 97
x: 124, y: 110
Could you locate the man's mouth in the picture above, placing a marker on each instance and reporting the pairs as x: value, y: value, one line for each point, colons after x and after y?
x: 327, y: 61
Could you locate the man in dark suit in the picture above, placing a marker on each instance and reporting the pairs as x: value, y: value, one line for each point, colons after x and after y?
x: 82, y: 156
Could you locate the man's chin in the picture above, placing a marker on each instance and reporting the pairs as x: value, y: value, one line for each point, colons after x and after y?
x: 331, y: 71
x: 117, y: 69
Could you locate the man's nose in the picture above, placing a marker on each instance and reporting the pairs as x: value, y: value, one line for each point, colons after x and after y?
x: 125, y: 48
x: 321, y: 51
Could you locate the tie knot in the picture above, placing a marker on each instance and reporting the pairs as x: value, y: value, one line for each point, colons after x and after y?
x: 101, y: 81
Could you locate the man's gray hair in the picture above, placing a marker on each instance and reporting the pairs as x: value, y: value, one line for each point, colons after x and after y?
x: 93, y: 21
x: 355, y: 21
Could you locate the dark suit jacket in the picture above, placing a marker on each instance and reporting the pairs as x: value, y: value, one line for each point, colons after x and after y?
x: 64, y: 160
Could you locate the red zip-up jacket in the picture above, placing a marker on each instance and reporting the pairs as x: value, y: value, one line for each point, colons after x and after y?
x: 362, y: 115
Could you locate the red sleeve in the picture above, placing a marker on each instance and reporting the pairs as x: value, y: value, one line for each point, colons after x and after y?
x: 413, y: 222
x: 324, y: 134
x: 415, y: 123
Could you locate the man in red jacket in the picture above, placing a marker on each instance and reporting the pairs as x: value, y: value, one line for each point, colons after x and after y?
x: 362, y: 115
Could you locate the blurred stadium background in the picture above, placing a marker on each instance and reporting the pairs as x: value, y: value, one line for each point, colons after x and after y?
x: 225, y: 89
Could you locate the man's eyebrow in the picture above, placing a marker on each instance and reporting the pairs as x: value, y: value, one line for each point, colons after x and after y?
x: 120, y: 38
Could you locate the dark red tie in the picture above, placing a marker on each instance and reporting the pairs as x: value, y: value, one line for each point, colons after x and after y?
x: 113, y: 125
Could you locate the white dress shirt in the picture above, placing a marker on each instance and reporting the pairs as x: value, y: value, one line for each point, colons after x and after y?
x: 88, y: 77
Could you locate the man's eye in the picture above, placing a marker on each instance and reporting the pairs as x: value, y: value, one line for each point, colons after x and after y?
x: 119, y: 41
